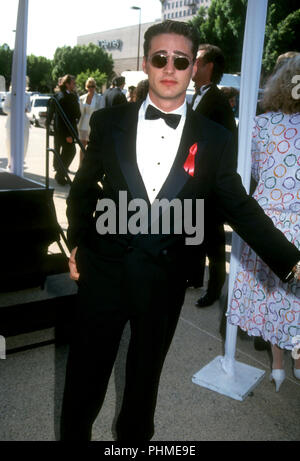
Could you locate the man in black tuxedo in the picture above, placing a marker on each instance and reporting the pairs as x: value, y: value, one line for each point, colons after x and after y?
x: 64, y: 141
x: 213, y: 104
x: 141, y: 153
x: 114, y: 96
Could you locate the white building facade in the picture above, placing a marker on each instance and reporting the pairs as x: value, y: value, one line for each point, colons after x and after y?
x: 122, y: 43
x: 182, y: 9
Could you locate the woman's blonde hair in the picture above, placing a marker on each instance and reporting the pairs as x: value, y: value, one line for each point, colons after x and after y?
x: 90, y: 80
x: 278, y: 95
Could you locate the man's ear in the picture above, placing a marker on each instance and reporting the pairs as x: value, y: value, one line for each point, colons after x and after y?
x: 210, y: 67
x: 194, y: 70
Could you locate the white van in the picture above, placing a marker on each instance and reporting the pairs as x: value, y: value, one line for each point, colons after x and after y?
x: 38, y: 112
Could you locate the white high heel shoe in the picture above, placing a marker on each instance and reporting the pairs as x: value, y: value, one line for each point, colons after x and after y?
x: 297, y: 373
x: 278, y: 376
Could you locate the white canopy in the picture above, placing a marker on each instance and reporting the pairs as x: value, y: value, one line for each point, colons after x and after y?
x: 224, y: 374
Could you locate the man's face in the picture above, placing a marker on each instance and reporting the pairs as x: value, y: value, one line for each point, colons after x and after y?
x: 204, y: 70
x: 71, y: 86
x: 167, y: 85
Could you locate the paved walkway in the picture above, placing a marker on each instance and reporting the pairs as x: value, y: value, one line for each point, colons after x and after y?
x: 31, y: 381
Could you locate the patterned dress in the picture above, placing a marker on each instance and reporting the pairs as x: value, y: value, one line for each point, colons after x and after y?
x: 261, y: 304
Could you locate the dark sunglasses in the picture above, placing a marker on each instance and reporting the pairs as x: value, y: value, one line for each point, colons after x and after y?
x: 160, y: 60
x: 91, y: 86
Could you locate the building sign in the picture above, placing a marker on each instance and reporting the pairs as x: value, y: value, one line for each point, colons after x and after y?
x: 110, y: 44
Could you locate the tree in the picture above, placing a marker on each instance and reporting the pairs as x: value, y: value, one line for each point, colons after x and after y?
x: 224, y: 27
x: 279, y: 10
x: 81, y: 58
x: 6, y: 56
x: 81, y: 78
x: 282, y: 32
x: 225, y: 23
x: 198, y: 22
x: 39, y: 71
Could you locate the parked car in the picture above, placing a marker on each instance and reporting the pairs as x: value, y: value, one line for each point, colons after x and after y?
x: 227, y: 80
x: 38, y: 112
x: 2, y: 99
x: 233, y: 80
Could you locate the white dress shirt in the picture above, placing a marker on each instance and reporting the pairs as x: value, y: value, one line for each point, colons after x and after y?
x: 156, y: 147
x: 204, y: 89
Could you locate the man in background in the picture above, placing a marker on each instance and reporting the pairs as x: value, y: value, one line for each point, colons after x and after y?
x: 114, y: 96
x: 213, y: 104
x: 64, y: 141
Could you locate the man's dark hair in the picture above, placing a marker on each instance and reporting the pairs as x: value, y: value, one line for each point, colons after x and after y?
x: 215, y: 55
x: 171, y: 27
x: 229, y: 91
x: 119, y: 81
x: 66, y: 79
x: 142, y: 90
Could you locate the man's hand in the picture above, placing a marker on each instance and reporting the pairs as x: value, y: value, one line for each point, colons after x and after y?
x: 296, y: 271
x: 69, y: 139
x: 74, y: 275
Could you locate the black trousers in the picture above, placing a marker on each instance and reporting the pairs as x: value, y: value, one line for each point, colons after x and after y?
x: 215, y: 250
x: 66, y: 152
x: 94, y: 348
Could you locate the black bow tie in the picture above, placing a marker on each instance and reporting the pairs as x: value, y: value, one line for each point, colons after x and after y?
x: 171, y: 120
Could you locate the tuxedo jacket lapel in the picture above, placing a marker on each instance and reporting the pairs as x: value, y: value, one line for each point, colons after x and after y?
x: 125, y: 131
x: 178, y: 177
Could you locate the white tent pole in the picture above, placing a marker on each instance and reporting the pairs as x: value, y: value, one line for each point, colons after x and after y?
x: 224, y: 374
x: 18, y: 91
x: 251, y: 66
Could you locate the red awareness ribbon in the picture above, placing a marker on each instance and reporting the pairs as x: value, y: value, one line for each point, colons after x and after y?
x: 189, y: 165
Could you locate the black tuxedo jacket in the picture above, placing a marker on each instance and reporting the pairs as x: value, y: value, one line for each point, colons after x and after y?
x: 111, y: 160
x: 215, y: 106
x: 70, y: 105
x: 114, y: 97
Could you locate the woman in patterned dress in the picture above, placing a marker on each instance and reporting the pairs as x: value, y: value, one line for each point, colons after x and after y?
x: 261, y: 304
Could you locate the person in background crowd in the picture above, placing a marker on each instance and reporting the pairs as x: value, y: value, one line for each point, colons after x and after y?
x: 262, y: 304
x: 213, y: 104
x: 88, y: 102
x: 232, y: 96
x: 64, y: 141
x: 131, y: 94
x: 142, y: 90
x: 283, y: 58
x: 114, y: 96
x: 103, y: 99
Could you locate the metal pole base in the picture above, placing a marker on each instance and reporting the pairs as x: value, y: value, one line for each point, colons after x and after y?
x: 213, y: 377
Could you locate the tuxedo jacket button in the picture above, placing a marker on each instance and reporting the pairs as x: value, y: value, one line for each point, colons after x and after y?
x: 164, y: 252
x: 129, y: 249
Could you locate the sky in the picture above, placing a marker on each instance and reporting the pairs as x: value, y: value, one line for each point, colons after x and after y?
x: 55, y: 23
